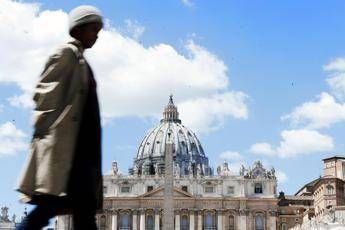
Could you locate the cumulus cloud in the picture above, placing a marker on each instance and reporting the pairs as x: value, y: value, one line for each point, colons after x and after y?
x: 230, y: 156
x: 281, y: 177
x: 134, y: 29
x: 208, y: 114
x: 337, y: 79
x: 26, y: 38
x: 314, y: 115
x: 337, y: 65
x: 262, y: 149
x: 294, y: 143
x: 133, y: 80
x: 12, y: 140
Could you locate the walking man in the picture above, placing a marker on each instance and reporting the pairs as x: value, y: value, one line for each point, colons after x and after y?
x: 63, y: 170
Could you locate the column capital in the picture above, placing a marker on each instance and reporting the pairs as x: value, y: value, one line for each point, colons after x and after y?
x: 156, y: 211
x: 221, y: 211
x: 142, y: 210
x: 135, y: 212
x: 243, y: 212
x: 114, y: 211
x: 272, y: 212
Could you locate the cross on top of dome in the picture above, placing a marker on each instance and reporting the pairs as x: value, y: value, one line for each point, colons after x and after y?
x: 170, y: 113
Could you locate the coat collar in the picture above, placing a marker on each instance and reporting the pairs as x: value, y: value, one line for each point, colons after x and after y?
x: 78, y: 44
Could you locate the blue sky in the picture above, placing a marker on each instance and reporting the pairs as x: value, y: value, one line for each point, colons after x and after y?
x: 255, y: 80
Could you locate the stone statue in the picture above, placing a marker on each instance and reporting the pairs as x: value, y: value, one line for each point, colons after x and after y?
x: 157, y: 169
x: 190, y: 168
x: 198, y: 170
x: 4, y: 214
x: 242, y: 170
x: 219, y: 170
x: 225, y: 169
x: 273, y: 173
x: 135, y: 169
x: 115, y: 168
x: 177, y: 170
x: 14, y: 218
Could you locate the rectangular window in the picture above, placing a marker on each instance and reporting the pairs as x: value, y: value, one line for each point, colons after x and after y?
x: 258, y: 188
x: 231, y: 190
x: 105, y: 189
x: 125, y: 189
x: 208, y: 189
x: 149, y: 188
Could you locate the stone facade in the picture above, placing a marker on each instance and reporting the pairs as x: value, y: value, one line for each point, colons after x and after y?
x: 199, y: 199
x: 186, y: 193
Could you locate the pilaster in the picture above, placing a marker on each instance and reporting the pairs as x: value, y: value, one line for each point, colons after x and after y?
x: 191, y: 220
x: 200, y: 220
x: 157, y: 220
x: 142, y: 219
x: 135, y: 220
x: 177, y: 220
x: 114, y: 220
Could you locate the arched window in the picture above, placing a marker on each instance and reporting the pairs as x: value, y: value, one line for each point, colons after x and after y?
x: 124, y: 222
x: 150, y: 224
x: 231, y: 222
x: 103, y: 223
x: 184, y: 223
x: 259, y: 223
x: 209, y: 221
x: 284, y: 226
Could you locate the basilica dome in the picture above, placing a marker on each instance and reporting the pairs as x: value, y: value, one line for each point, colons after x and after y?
x: 189, y: 156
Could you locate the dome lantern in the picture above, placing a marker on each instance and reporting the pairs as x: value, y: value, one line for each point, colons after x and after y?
x: 170, y: 112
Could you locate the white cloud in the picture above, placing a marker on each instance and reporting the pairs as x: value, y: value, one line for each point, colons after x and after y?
x: 26, y: 38
x: 337, y: 85
x: 281, y: 177
x: 337, y: 65
x: 134, y: 29
x: 188, y: 3
x: 208, y: 114
x: 230, y: 156
x: 11, y: 139
x: 337, y: 81
x: 133, y: 80
x: 314, y: 115
x: 262, y: 149
x: 294, y: 143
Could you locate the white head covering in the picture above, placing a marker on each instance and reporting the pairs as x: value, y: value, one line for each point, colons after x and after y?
x: 82, y: 15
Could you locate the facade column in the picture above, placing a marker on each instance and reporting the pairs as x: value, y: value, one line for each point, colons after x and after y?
x: 157, y: 220
x: 114, y: 220
x: 142, y: 220
x: 242, y: 219
x: 177, y: 220
x: 271, y: 220
x: 135, y: 220
x: 220, y: 220
x: 199, y: 220
x: 191, y: 220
